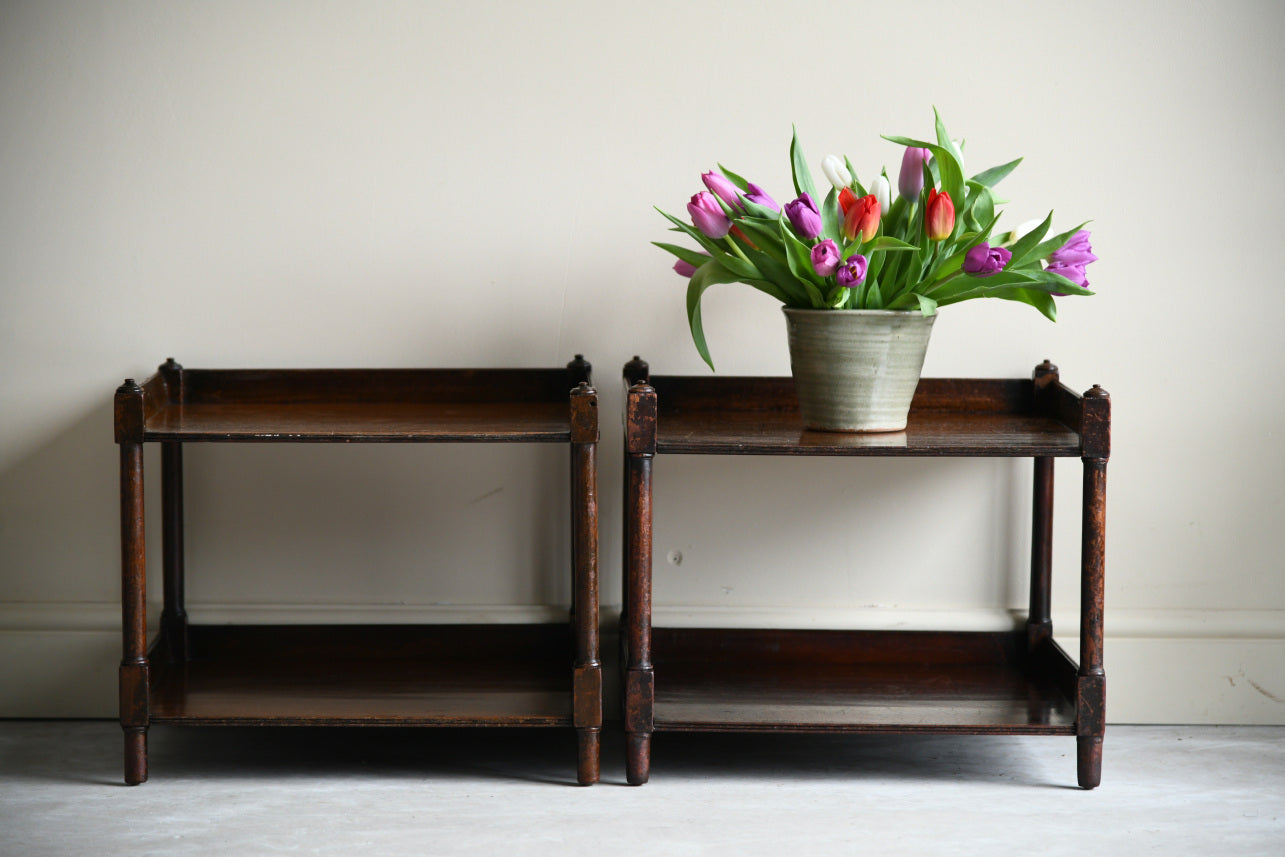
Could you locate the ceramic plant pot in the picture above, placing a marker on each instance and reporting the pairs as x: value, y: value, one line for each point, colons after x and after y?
x: 856, y: 370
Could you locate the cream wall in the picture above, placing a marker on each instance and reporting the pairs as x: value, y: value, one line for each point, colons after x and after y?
x: 422, y: 184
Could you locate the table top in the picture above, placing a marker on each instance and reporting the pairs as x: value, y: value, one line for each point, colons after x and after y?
x: 349, y: 405
x: 949, y: 417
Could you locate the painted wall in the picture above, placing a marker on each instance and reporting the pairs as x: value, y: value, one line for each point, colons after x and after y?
x: 457, y: 184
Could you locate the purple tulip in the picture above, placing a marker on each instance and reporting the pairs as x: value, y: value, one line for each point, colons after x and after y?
x: 852, y: 272
x: 804, y: 216
x: 726, y: 190
x: 686, y: 269
x: 911, y: 180
x: 985, y: 260
x: 1076, y: 251
x: 758, y: 195
x: 826, y: 258
x: 1070, y: 259
x: 707, y: 216
x: 1074, y: 273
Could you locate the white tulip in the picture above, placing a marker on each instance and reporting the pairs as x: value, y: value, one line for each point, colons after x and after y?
x: 882, y: 190
x: 836, y: 171
x: 1023, y: 229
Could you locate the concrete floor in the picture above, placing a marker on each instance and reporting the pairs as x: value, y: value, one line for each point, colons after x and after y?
x: 246, y: 792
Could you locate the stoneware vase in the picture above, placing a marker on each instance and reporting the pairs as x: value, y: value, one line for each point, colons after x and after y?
x: 856, y: 370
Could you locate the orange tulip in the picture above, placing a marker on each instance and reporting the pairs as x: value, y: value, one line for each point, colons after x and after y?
x: 862, y: 218
x: 939, y: 215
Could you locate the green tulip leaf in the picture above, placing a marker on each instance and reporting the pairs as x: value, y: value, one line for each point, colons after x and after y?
x: 857, y: 186
x: 1042, y: 301
x: 799, y: 169
x: 709, y: 274
x: 887, y: 242
x: 741, y: 184
x: 788, y: 289
x: 753, y: 209
x: 944, y: 141
x: 874, y: 297
x: 831, y: 219
x: 742, y: 268
x: 766, y: 234
x: 799, y: 258
x: 694, y: 257
x: 769, y: 288
x: 995, y: 175
x: 1052, y: 282
x: 1021, y: 250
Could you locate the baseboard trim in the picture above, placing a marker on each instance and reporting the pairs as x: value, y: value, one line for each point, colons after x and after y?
x: 1163, y: 666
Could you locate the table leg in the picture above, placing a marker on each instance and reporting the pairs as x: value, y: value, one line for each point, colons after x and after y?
x: 587, y: 689
x: 639, y: 680
x: 174, y: 612
x: 133, y: 666
x: 1039, y: 624
x: 1091, y: 681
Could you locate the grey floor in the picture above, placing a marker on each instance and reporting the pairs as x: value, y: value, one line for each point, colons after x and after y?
x: 1166, y: 790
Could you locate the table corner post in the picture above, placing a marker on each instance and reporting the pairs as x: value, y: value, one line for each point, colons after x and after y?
x: 1091, y: 681
x: 640, y: 449
x: 587, y: 687
x: 133, y: 673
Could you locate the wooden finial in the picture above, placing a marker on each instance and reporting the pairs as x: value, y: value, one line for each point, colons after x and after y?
x: 579, y: 369
x: 636, y: 370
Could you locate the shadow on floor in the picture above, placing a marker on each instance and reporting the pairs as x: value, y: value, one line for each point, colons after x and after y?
x: 91, y: 751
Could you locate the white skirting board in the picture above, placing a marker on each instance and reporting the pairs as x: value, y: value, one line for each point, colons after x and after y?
x: 1163, y: 666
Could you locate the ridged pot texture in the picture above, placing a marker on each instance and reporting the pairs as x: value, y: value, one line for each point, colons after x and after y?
x: 856, y: 370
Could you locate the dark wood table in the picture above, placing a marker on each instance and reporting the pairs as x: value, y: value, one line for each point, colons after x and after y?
x: 420, y: 675
x: 1017, y: 682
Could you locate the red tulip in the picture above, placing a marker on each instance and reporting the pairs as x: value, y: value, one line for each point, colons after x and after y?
x: 862, y: 218
x: 939, y: 215
x: 847, y: 199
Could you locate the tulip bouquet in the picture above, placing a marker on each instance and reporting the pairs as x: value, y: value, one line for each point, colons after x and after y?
x: 933, y: 246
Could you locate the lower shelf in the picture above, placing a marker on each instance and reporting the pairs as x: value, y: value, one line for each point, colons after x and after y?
x: 751, y: 680
x: 367, y: 675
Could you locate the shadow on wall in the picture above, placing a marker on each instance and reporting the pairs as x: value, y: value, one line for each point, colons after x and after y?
x: 59, y: 516
x: 60, y: 573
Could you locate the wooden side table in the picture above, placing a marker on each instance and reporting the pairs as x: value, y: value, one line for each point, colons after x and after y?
x: 758, y: 680
x: 448, y: 675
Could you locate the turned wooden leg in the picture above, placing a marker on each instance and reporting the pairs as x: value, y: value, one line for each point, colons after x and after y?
x: 135, y: 755
x: 1039, y: 622
x: 174, y: 612
x: 133, y: 666
x: 588, y: 768
x: 1091, y: 681
x: 587, y: 692
x: 637, y: 757
x: 639, y: 680
x: 1088, y: 760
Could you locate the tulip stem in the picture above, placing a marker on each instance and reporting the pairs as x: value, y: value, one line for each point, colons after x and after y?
x: 735, y: 249
x: 939, y: 283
